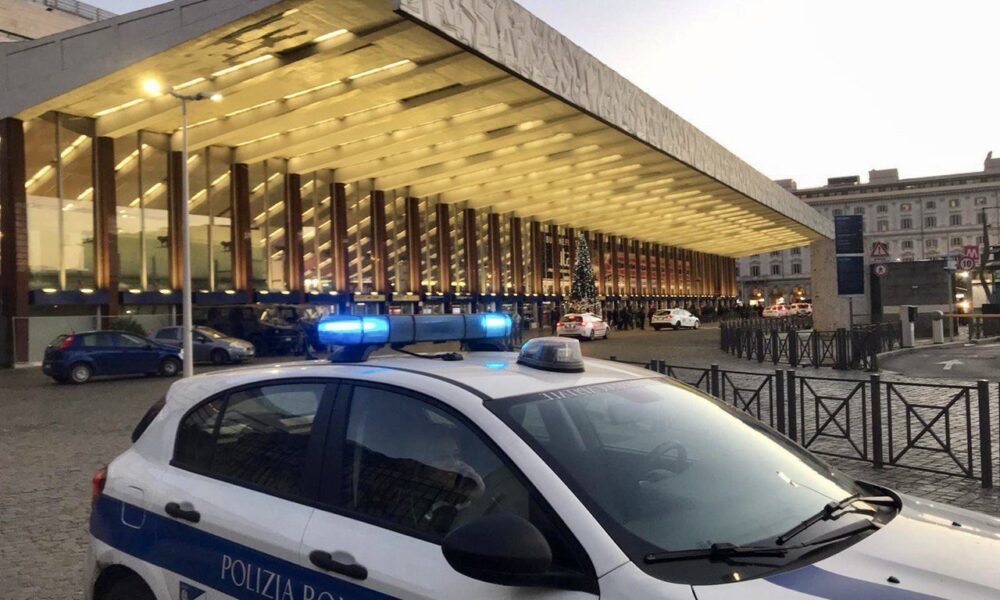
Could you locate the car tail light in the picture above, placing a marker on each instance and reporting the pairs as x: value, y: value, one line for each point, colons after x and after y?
x: 66, y: 343
x: 97, y: 484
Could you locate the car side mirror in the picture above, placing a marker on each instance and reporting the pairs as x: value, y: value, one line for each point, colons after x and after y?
x: 500, y: 548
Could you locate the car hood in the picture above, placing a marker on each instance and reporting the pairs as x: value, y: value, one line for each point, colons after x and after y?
x: 935, y: 551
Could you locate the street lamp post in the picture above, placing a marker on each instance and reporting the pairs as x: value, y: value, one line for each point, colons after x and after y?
x: 186, y: 316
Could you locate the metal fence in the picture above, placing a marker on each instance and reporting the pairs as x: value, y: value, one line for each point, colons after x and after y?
x: 783, y: 343
x: 946, y: 429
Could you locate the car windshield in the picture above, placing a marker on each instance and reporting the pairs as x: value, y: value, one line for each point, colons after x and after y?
x: 667, y: 468
x: 662, y: 312
x: 215, y: 335
x: 572, y: 319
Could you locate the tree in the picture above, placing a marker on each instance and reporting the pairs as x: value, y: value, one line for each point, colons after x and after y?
x: 583, y: 293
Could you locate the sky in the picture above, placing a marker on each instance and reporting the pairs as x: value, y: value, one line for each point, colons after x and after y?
x: 805, y: 89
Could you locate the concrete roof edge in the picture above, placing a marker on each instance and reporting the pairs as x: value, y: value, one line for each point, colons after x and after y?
x: 33, y: 72
x: 517, y: 40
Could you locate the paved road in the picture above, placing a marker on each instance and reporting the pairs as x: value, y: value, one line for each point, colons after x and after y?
x: 967, y: 362
x: 52, y: 439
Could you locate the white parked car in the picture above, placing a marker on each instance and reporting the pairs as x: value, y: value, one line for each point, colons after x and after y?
x: 586, y: 326
x: 674, y: 317
x: 497, y: 475
x: 801, y: 308
x: 777, y: 310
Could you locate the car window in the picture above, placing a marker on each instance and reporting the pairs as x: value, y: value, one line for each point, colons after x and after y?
x: 172, y: 333
x: 257, y: 436
x: 97, y: 340
x: 416, y: 468
x: 130, y: 341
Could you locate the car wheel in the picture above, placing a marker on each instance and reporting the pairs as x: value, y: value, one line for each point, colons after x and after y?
x: 80, y: 373
x: 219, y: 356
x: 170, y: 367
x: 656, y: 328
x: 607, y: 332
x: 591, y: 337
x: 677, y: 325
x: 697, y: 324
x: 129, y: 588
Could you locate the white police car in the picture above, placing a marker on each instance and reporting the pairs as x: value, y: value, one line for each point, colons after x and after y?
x: 534, y: 475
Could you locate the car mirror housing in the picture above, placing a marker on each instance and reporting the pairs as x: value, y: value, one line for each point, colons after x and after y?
x: 501, y: 548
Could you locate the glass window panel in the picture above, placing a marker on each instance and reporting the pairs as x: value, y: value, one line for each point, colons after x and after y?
x: 41, y: 187
x: 277, y: 240
x: 128, y: 218
x: 199, y: 221
x: 458, y: 240
x: 311, y: 213
x: 323, y: 223
x: 258, y: 225
x: 430, y: 269
x: 153, y: 209
x: 220, y: 210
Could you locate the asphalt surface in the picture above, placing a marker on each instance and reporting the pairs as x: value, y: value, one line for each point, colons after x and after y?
x: 968, y: 362
x: 53, y: 437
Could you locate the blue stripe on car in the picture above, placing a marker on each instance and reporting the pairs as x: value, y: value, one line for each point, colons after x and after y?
x: 821, y: 583
x: 218, y: 563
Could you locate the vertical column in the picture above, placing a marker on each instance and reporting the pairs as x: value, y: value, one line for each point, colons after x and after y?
x: 627, y: 256
x: 493, y: 239
x: 443, y: 220
x: 517, y: 255
x: 554, y: 255
x: 13, y: 241
x: 571, y: 238
x: 650, y: 280
x: 599, y: 257
x: 469, y: 226
x: 338, y: 237
x: 294, y: 251
x: 658, y: 252
x: 413, y: 253
x: 537, y: 257
x: 380, y: 273
x: 239, y: 208
x: 106, y: 222
x: 175, y: 219
x: 615, y: 289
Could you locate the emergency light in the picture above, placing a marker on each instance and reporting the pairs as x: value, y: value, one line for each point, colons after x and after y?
x: 356, y: 337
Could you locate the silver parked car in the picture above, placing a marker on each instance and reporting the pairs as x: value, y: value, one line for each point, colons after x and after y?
x: 209, y: 345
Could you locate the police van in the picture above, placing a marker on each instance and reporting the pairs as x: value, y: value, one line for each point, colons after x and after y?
x: 491, y: 474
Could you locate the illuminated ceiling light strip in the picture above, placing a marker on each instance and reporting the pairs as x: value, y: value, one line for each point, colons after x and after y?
x: 219, y: 179
x: 125, y: 161
x: 392, y: 65
x: 313, y: 89
x: 76, y: 144
x: 244, y: 65
x: 260, y: 139
x: 190, y: 83
x: 250, y: 108
x: 153, y: 189
x: 34, y: 178
x: 86, y: 192
x: 329, y: 36
x: 114, y: 109
x: 205, y: 122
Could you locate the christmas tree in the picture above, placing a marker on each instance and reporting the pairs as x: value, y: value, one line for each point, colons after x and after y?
x: 583, y: 294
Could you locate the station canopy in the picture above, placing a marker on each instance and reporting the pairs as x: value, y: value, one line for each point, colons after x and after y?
x: 478, y: 103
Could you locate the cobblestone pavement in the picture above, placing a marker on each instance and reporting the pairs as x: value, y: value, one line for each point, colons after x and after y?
x: 53, y: 438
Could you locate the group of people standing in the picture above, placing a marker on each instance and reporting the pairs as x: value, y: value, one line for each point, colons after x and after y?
x: 629, y: 316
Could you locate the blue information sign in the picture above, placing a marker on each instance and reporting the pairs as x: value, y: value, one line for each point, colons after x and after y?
x: 851, y: 275
x: 850, y: 234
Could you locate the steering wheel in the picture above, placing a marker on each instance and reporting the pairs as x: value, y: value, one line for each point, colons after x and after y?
x: 665, y: 460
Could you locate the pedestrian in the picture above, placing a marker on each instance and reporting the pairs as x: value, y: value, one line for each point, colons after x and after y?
x: 640, y: 316
x: 515, y: 324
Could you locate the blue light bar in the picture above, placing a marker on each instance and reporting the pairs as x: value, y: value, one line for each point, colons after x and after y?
x: 400, y: 330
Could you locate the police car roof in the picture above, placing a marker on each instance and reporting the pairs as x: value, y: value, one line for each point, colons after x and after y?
x: 490, y: 375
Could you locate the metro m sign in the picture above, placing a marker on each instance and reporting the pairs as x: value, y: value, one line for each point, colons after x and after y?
x: 971, y: 252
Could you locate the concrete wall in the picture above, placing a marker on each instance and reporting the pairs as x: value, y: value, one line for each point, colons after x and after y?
x: 830, y: 311
x: 33, y: 20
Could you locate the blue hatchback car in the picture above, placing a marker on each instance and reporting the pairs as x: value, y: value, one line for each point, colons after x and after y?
x: 78, y: 357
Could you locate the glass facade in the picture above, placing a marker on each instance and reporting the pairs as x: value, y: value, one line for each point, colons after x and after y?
x: 317, y: 232
x: 141, y: 168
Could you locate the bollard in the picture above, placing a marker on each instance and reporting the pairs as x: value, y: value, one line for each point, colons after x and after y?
x: 937, y: 326
x: 985, y: 434
x: 715, y: 380
x: 760, y: 345
x: 840, y: 360
x: 878, y: 460
x: 790, y: 390
x: 775, y: 347
x: 793, y: 348
x: 779, y: 392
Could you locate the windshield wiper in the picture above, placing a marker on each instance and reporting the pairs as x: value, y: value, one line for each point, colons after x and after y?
x: 723, y: 551
x: 831, y: 511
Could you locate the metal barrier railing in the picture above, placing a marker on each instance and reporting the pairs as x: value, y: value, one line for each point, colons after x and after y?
x: 938, y: 428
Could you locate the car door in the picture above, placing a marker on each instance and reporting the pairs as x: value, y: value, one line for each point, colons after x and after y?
x: 136, y: 354
x: 233, y: 503
x: 203, y: 346
x: 401, y: 473
x: 100, y: 349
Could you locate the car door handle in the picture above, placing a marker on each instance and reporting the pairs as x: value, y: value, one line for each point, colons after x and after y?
x: 325, y: 561
x: 182, y: 511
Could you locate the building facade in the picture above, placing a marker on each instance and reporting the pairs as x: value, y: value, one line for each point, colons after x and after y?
x: 22, y: 20
x: 922, y: 218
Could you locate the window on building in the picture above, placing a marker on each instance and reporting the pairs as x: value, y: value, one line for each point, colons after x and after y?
x: 906, y: 223
x: 267, y: 224
x: 956, y: 241
x: 906, y: 244
x: 882, y: 208
x: 775, y: 268
x: 837, y: 212
x: 979, y: 240
x: 980, y: 218
x: 776, y: 253
x: 796, y: 251
x: 141, y: 162
x: 955, y: 219
x: 754, y: 270
x: 882, y: 225
x: 930, y: 221
x: 980, y: 201
x: 317, y: 237
x: 859, y: 210
x: 905, y: 207
x: 954, y: 203
x: 931, y: 205
x: 796, y: 268
x: 257, y: 437
x: 907, y: 258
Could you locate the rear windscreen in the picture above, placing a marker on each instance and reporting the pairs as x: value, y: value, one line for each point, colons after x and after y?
x: 147, y: 419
